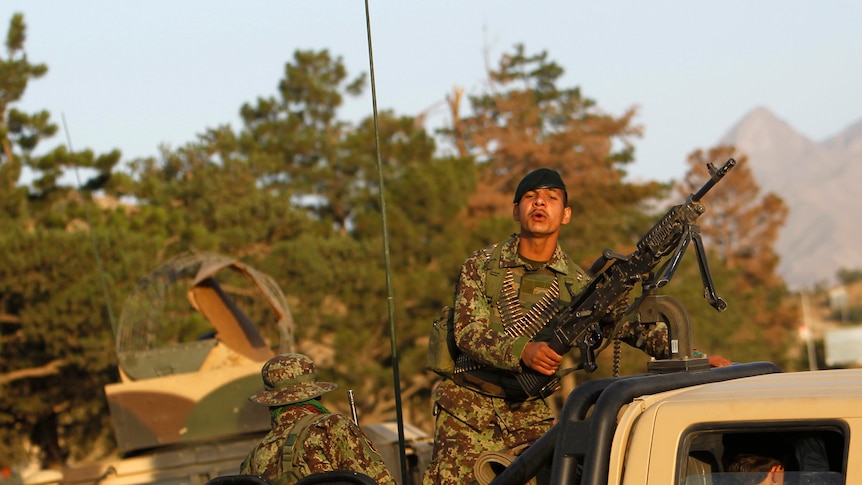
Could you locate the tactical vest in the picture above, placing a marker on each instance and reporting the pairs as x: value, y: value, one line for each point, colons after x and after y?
x: 496, y: 275
x: 442, y: 350
x: 292, y: 467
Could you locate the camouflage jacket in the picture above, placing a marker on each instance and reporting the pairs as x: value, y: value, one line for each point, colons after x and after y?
x: 484, y: 341
x: 475, y: 334
x: 480, y: 334
x: 333, y: 442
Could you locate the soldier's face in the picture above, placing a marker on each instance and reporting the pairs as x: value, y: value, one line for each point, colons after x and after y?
x: 542, y: 212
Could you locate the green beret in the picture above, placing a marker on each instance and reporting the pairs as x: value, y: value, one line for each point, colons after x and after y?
x: 543, y: 178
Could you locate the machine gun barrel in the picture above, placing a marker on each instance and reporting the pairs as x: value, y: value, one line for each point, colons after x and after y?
x: 666, y: 233
x: 714, y: 176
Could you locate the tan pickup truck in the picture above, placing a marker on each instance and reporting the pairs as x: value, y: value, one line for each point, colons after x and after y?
x: 678, y: 428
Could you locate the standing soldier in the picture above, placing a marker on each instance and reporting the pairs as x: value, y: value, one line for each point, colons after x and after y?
x: 483, y: 407
x: 306, y: 437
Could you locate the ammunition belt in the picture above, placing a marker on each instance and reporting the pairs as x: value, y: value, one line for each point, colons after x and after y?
x: 515, y: 322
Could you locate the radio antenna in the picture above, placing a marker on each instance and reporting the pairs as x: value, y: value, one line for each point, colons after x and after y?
x: 93, y: 242
x: 392, y: 337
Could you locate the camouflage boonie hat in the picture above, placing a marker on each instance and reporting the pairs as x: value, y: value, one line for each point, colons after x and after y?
x: 288, y: 379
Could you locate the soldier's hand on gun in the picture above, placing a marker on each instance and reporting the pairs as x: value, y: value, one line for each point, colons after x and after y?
x: 541, y: 358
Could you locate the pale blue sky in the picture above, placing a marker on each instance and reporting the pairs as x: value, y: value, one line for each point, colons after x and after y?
x: 133, y: 75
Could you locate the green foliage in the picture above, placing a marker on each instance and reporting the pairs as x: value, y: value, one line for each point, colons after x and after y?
x: 848, y: 276
x: 526, y: 121
x: 46, y: 281
x: 295, y: 192
x: 295, y: 145
x: 56, y: 351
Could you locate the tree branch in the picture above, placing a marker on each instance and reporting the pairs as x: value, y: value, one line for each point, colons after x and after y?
x: 50, y: 368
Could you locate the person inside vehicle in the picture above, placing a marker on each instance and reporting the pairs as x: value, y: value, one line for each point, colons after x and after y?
x: 755, y: 469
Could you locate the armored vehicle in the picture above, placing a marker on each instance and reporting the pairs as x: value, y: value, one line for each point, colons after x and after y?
x: 190, y: 342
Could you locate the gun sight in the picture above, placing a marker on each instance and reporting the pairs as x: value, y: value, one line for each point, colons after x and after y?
x: 714, y: 176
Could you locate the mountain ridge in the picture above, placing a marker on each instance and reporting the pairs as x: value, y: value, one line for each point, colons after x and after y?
x: 816, y: 181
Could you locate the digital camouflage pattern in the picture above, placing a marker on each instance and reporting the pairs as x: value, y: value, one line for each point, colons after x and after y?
x: 288, y: 379
x: 479, y: 331
x: 328, y: 443
x: 651, y: 338
x: 332, y: 442
x: 469, y: 422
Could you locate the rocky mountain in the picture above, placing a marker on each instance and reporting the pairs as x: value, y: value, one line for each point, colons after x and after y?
x: 819, y: 181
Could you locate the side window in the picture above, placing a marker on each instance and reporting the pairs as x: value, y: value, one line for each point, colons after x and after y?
x: 748, y: 452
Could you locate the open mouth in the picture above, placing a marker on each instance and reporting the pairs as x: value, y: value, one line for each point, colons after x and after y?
x: 538, y: 216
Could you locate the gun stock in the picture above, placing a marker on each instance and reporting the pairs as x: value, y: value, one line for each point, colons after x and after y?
x: 615, y: 276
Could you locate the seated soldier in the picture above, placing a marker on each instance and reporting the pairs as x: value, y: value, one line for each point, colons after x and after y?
x: 306, y: 437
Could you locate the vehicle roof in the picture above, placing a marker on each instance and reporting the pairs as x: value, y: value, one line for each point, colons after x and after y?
x: 778, y: 395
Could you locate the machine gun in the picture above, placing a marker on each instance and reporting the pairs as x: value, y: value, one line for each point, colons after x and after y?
x: 615, y: 275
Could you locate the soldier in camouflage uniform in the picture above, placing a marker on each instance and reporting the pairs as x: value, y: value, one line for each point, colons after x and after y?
x: 332, y: 442
x: 485, y: 409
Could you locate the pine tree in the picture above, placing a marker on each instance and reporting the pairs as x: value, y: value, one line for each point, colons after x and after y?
x: 55, y: 330
x: 525, y: 121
